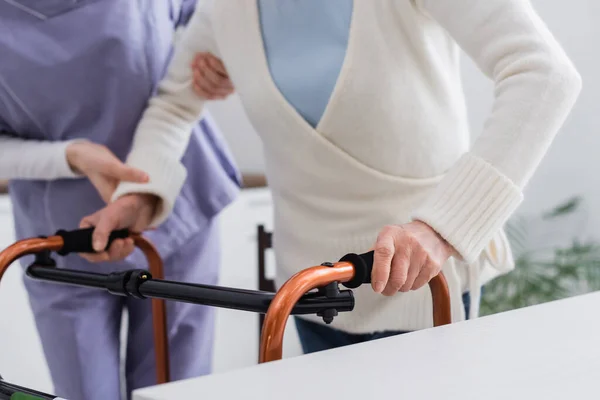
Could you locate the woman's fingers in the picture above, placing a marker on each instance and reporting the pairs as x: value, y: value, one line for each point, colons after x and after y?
x: 413, y: 273
x: 128, y: 248
x: 120, y: 249
x: 217, y: 65
x: 207, y: 87
x: 401, y: 263
x: 104, y: 222
x: 204, y: 87
x: 212, y: 63
x: 210, y: 77
x: 382, y: 260
x: 428, y: 272
x: 218, y: 71
x: 95, y: 258
x: 418, y: 260
x: 406, y: 258
x: 101, y: 256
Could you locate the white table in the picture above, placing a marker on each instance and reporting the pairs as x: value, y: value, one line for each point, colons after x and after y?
x: 551, y: 351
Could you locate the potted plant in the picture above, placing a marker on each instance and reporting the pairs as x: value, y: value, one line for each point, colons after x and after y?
x: 552, y: 260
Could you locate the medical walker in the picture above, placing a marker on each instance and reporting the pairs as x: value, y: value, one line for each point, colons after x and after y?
x: 295, y: 297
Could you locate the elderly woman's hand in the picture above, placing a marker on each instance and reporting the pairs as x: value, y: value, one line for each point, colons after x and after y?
x: 101, y: 167
x: 211, y: 80
x: 133, y: 212
x: 407, y: 257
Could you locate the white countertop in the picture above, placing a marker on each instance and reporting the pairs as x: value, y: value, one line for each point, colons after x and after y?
x: 551, y: 351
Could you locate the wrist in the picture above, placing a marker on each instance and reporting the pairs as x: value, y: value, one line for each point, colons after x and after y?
x: 444, y: 245
x: 146, y: 201
x: 141, y: 198
x: 73, y: 155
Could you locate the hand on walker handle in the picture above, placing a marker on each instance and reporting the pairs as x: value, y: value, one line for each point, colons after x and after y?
x: 134, y: 212
x: 211, y: 80
x: 101, y: 167
x: 407, y: 257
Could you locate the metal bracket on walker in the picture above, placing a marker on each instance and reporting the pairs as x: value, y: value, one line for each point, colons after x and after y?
x: 331, y: 291
x: 125, y: 283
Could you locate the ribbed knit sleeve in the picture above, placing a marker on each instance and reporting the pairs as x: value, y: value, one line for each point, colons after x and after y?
x: 165, y: 128
x: 536, y: 86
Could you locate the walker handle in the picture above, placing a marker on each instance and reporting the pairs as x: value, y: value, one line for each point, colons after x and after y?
x: 352, y: 271
x: 80, y: 240
x: 363, y: 266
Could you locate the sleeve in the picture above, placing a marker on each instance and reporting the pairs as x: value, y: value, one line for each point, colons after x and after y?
x: 166, y: 125
x: 187, y: 10
x: 32, y: 159
x: 536, y: 86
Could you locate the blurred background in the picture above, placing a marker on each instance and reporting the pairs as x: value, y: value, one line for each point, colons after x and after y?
x: 555, y: 234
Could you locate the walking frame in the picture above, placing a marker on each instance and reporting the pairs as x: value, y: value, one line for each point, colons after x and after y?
x: 295, y: 297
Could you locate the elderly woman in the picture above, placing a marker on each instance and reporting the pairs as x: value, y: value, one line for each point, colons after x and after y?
x: 361, y: 112
x: 75, y: 78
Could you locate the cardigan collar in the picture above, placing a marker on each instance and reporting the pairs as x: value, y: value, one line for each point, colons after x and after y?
x: 243, y: 29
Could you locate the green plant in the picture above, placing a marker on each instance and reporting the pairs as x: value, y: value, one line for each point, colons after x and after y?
x: 545, y: 271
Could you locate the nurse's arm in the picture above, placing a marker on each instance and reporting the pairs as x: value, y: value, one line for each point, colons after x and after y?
x: 166, y: 126
x: 536, y: 85
x: 27, y: 159
x: 34, y: 159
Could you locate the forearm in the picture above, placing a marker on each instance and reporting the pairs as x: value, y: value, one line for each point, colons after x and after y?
x: 535, y: 88
x: 166, y: 126
x: 32, y: 159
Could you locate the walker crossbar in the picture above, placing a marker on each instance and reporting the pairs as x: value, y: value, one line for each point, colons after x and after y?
x: 140, y: 284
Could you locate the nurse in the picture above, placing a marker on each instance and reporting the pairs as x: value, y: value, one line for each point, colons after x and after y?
x: 361, y: 111
x: 75, y: 78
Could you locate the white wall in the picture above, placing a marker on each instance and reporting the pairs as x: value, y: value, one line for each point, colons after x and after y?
x: 569, y: 168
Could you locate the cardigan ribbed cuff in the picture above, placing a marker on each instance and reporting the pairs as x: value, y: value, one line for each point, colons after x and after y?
x: 167, y: 177
x: 470, y: 205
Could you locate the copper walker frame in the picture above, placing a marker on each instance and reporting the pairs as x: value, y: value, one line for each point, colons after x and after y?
x: 296, y: 296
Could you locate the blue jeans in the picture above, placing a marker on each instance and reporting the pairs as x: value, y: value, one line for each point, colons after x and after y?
x: 317, y: 337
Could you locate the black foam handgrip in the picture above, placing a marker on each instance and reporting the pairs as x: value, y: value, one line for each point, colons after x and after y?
x: 80, y: 240
x: 363, y: 266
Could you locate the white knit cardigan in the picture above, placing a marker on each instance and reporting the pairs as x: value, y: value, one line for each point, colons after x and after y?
x: 393, y: 143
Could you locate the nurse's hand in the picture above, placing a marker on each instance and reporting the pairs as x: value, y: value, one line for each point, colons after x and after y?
x: 134, y: 212
x: 211, y: 80
x: 407, y: 257
x: 101, y: 167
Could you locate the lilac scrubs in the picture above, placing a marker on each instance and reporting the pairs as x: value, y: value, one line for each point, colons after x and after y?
x: 85, y: 69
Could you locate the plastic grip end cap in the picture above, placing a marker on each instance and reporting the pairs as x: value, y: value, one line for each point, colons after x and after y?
x: 362, y: 269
